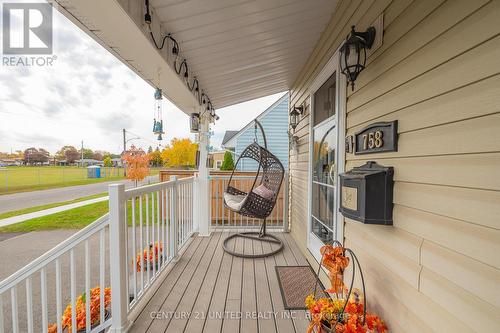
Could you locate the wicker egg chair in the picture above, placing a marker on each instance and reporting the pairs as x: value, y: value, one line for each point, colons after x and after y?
x: 260, y: 200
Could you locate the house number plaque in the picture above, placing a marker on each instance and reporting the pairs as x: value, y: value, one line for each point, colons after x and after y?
x: 376, y: 138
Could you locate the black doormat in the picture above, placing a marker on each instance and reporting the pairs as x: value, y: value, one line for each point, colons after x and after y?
x: 296, y: 283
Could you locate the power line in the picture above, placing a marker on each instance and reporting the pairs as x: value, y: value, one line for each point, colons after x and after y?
x: 143, y: 138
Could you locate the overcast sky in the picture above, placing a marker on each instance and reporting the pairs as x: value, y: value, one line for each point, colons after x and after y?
x: 89, y: 95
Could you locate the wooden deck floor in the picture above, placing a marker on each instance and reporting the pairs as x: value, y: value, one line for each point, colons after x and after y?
x: 211, y: 291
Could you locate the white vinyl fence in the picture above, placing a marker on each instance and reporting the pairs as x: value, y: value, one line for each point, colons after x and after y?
x: 223, y: 218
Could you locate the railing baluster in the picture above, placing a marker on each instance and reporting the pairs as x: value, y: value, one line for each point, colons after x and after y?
x: 141, y: 248
x: 170, y: 224
x: 134, y: 248
x: 174, y: 219
x: 147, y: 242
x: 29, y: 305
x: 183, y: 205
x: 191, y: 212
x: 102, y: 261
x: 223, y: 208
x: 43, y: 289
x: 58, y: 296
x: 165, y: 224
x: 73, y: 289
x: 127, y: 256
x: 153, y: 233
x: 13, y: 301
x: 1, y: 315
x: 87, y: 286
x: 158, y: 221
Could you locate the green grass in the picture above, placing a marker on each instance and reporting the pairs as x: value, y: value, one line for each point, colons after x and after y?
x: 76, y: 218
x: 52, y: 205
x: 23, y: 179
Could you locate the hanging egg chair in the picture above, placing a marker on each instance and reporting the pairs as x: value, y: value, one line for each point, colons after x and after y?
x: 260, y: 200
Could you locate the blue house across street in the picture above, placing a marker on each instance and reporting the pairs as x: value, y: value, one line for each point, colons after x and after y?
x: 274, y: 120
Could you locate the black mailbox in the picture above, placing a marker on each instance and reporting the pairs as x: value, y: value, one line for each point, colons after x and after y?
x: 366, y: 193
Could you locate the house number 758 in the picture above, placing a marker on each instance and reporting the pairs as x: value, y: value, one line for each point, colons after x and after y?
x: 373, y: 140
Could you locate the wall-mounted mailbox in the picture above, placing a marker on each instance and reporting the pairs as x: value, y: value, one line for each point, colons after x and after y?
x: 366, y: 193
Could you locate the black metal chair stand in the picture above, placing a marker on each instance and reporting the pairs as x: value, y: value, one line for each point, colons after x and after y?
x: 258, y: 236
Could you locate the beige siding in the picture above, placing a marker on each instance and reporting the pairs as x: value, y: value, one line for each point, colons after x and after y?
x: 438, y: 73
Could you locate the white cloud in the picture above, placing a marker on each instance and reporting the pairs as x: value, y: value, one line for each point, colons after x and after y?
x: 90, y: 95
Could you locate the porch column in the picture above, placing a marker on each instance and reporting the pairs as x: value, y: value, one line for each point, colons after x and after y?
x: 202, y: 182
x: 118, y: 263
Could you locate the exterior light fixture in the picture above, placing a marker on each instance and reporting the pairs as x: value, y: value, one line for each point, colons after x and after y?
x: 353, y: 53
x: 195, y: 123
x: 295, y: 116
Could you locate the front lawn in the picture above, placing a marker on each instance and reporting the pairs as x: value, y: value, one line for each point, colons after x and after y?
x: 76, y: 218
x: 25, y: 178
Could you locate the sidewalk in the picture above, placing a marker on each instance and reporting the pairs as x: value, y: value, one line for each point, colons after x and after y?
x: 16, y: 201
x: 40, y: 213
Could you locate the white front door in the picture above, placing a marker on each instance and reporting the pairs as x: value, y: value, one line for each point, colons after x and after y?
x: 326, y: 156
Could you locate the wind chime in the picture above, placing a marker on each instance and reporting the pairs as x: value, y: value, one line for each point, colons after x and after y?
x: 158, y: 117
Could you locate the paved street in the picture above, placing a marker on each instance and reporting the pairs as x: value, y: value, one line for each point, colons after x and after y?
x: 10, y: 202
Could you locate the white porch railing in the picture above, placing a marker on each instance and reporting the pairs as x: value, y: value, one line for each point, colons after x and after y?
x: 51, y: 271
x: 223, y: 218
x: 153, y: 221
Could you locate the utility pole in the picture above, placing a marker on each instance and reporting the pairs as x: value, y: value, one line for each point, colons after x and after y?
x: 124, y: 150
x: 82, y: 155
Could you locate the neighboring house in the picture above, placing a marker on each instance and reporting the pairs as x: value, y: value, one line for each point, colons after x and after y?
x: 117, y: 162
x: 87, y: 162
x: 228, y: 136
x: 218, y: 158
x: 274, y: 120
x: 11, y: 161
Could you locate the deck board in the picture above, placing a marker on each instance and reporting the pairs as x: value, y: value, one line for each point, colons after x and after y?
x: 211, y: 291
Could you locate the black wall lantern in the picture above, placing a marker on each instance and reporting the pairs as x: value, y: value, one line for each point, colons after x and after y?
x: 295, y: 116
x: 353, y: 53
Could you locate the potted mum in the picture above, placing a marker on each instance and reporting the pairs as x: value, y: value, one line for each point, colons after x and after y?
x: 150, y: 256
x: 80, y: 310
x: 345, y: 310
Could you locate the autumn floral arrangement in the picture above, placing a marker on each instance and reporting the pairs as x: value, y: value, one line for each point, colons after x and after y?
x: 149, y: 255
x: 345, y: 310
x: 80, y: 310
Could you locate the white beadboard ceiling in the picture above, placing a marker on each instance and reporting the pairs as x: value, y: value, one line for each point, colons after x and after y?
x: 238, y: 49
x: 244, y: 49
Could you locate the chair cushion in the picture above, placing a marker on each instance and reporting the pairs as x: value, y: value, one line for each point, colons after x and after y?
x: 234, y: 201
x: 264, y: 192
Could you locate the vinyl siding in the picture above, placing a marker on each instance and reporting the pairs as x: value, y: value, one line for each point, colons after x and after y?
x: 438, y: 73
x: 275, y: 124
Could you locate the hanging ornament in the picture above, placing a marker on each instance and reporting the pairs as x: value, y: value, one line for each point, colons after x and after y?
x: 158, y: 120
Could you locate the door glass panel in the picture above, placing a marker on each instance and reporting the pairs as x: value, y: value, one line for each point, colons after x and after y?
x: 324, y: 101
x: 324, y: 140
x: 324, y: 164
x: 323, y: 233
x: 323, y: 205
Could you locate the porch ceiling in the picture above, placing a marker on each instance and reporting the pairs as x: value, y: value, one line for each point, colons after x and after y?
x: 244, y: 49
x: 238, y: 49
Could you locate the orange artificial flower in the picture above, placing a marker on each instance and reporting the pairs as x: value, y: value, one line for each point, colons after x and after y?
x: 95, y: 310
